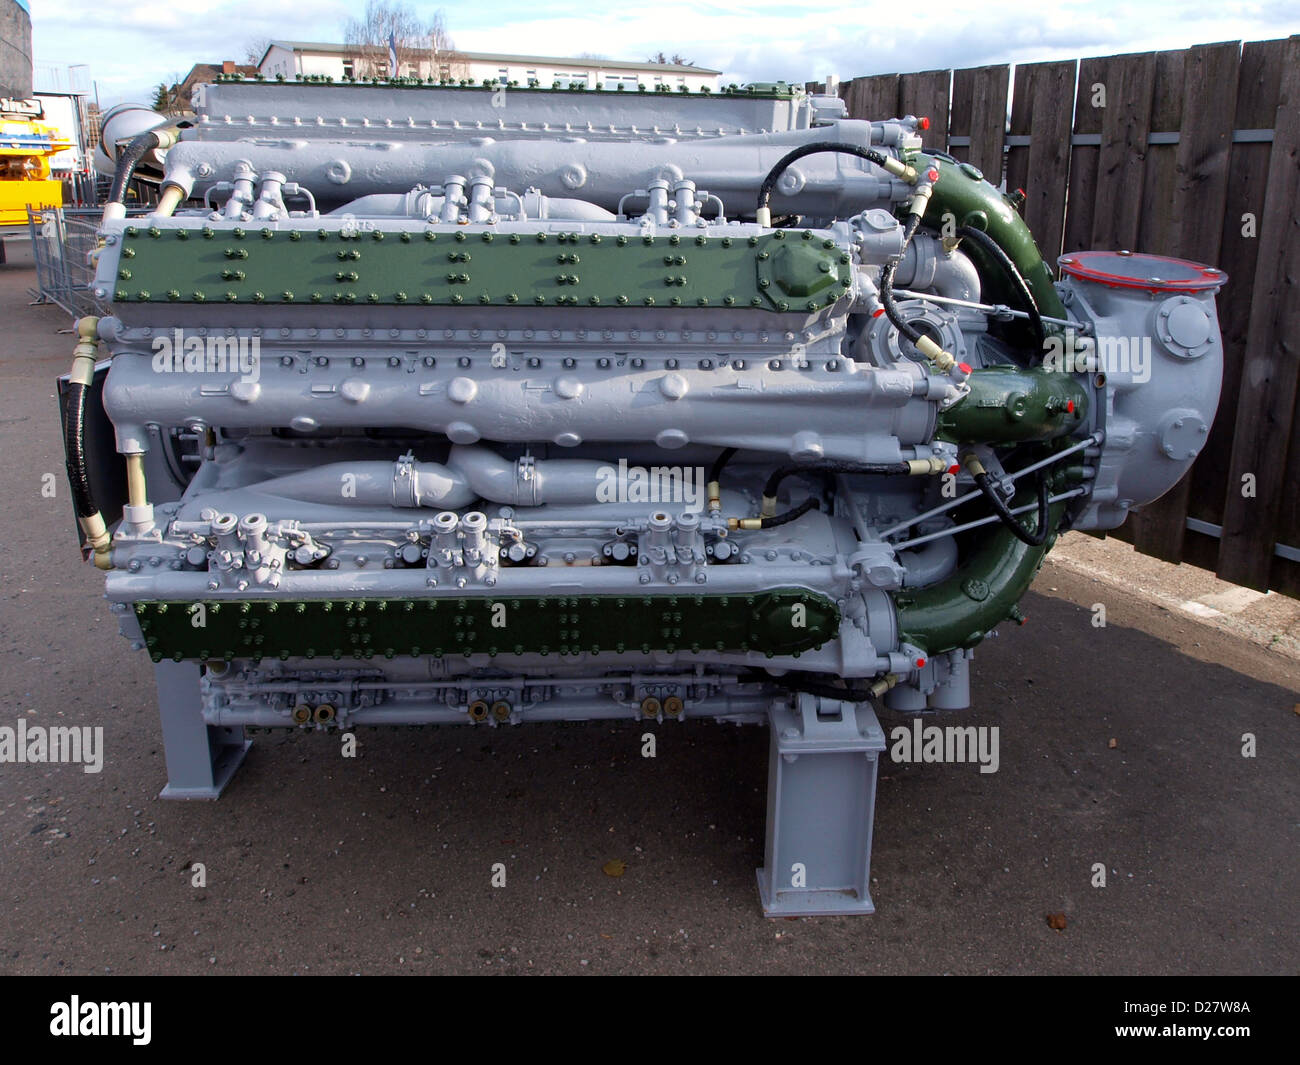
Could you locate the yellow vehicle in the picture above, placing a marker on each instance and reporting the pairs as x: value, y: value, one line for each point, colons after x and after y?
x: 26, y: 147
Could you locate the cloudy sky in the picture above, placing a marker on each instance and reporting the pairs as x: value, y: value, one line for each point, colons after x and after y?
x: 133, y: 46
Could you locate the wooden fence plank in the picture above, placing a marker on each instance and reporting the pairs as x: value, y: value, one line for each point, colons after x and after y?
x: 1258, y: 86
x: 1041, y: 107
x: 1196, y: 192
x: 874, y: 97
x: 1017, y: 164
x: 1268, y: 385
x: 979, y: 111
x: 1157, y: 222
x: 1128, y: 82
x: 927, y: 95
x: 1284, y: 576
x: 1083, y: 159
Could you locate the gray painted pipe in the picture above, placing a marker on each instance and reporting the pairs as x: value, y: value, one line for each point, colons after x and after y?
x: 730, y: 167
x: 373, y: 483
x: 419, y: 203
x: 128, y: 587
x: 925, y: 265
x: 570, y: 708
x: 470, y: 473
x: 929, y: 563
x: 859, y: 414
x: 553, y: 480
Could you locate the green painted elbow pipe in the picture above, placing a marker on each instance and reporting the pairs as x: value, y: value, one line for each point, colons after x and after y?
x: 962, y: 193
x: 960, y: 611
x: 1007, y: 404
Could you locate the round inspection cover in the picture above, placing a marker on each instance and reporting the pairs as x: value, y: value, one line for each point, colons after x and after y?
x: 1150, y: 273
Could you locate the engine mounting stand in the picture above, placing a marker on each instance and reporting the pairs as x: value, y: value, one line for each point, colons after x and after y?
x: 821, y: 796
x: 201, y: 758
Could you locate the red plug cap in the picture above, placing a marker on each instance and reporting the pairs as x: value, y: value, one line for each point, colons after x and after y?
x: 878, y: 312
x: 920, y: 663
x: 954, y: 469
x: 924, y: 123
x: 932, y: 175
x: 1069, y: 407
x: 964, y: 367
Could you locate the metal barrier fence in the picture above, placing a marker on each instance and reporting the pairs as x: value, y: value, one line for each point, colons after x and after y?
x: 62, y: 240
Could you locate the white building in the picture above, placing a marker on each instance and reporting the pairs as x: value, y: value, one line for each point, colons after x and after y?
x: 290, y: 58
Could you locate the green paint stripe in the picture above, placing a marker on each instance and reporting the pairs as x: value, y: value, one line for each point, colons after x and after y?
x: 786, y: 621
x: 779, y: 271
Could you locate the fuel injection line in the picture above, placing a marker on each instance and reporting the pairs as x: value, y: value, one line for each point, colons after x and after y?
x: 896, y: 167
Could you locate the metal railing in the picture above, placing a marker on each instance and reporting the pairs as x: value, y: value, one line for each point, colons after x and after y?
x: 62, y: 241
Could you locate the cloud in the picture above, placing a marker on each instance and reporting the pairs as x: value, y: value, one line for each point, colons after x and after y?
x: 131, y: 47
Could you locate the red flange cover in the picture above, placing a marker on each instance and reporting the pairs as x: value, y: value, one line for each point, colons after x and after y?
x: 1150, y: 273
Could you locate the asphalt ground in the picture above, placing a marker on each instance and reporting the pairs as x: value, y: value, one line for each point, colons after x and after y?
x: 1120, y: 747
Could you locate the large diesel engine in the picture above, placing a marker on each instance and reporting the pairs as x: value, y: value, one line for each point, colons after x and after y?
x: 442, y: 404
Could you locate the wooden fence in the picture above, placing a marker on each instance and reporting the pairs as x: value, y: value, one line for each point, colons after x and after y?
x: 1192, y: 153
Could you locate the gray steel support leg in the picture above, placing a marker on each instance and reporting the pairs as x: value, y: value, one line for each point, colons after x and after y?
x: 821, y: 797
x: 200, y: 759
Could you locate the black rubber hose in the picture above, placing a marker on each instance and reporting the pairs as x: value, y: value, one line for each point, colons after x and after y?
x: 724, y: 456
x: 887, y: 286
x: 814, y: 685
x: 1033, y: 539
x: 74, y: 447
x: 879, y: 468
x: 994, y: 251
x: 130, y: 158
x: 816, y: 148
x: 790, y: 515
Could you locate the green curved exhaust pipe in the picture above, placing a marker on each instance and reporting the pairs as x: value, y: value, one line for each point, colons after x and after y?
x: 962, y: 193
x: 960, y: 611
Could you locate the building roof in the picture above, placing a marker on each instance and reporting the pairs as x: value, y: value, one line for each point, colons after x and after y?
x: 207, y: 72
x: 324, y: 48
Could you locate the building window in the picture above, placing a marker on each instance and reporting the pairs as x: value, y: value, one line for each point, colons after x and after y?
x: 347, y: 68
x: 628, y: 82
x: 503, y: 76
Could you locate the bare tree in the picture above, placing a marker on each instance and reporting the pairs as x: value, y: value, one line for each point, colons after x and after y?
x: 425, y: 48
x: 676, y: 60
x: 254, y: 49
x: 444, y: 60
